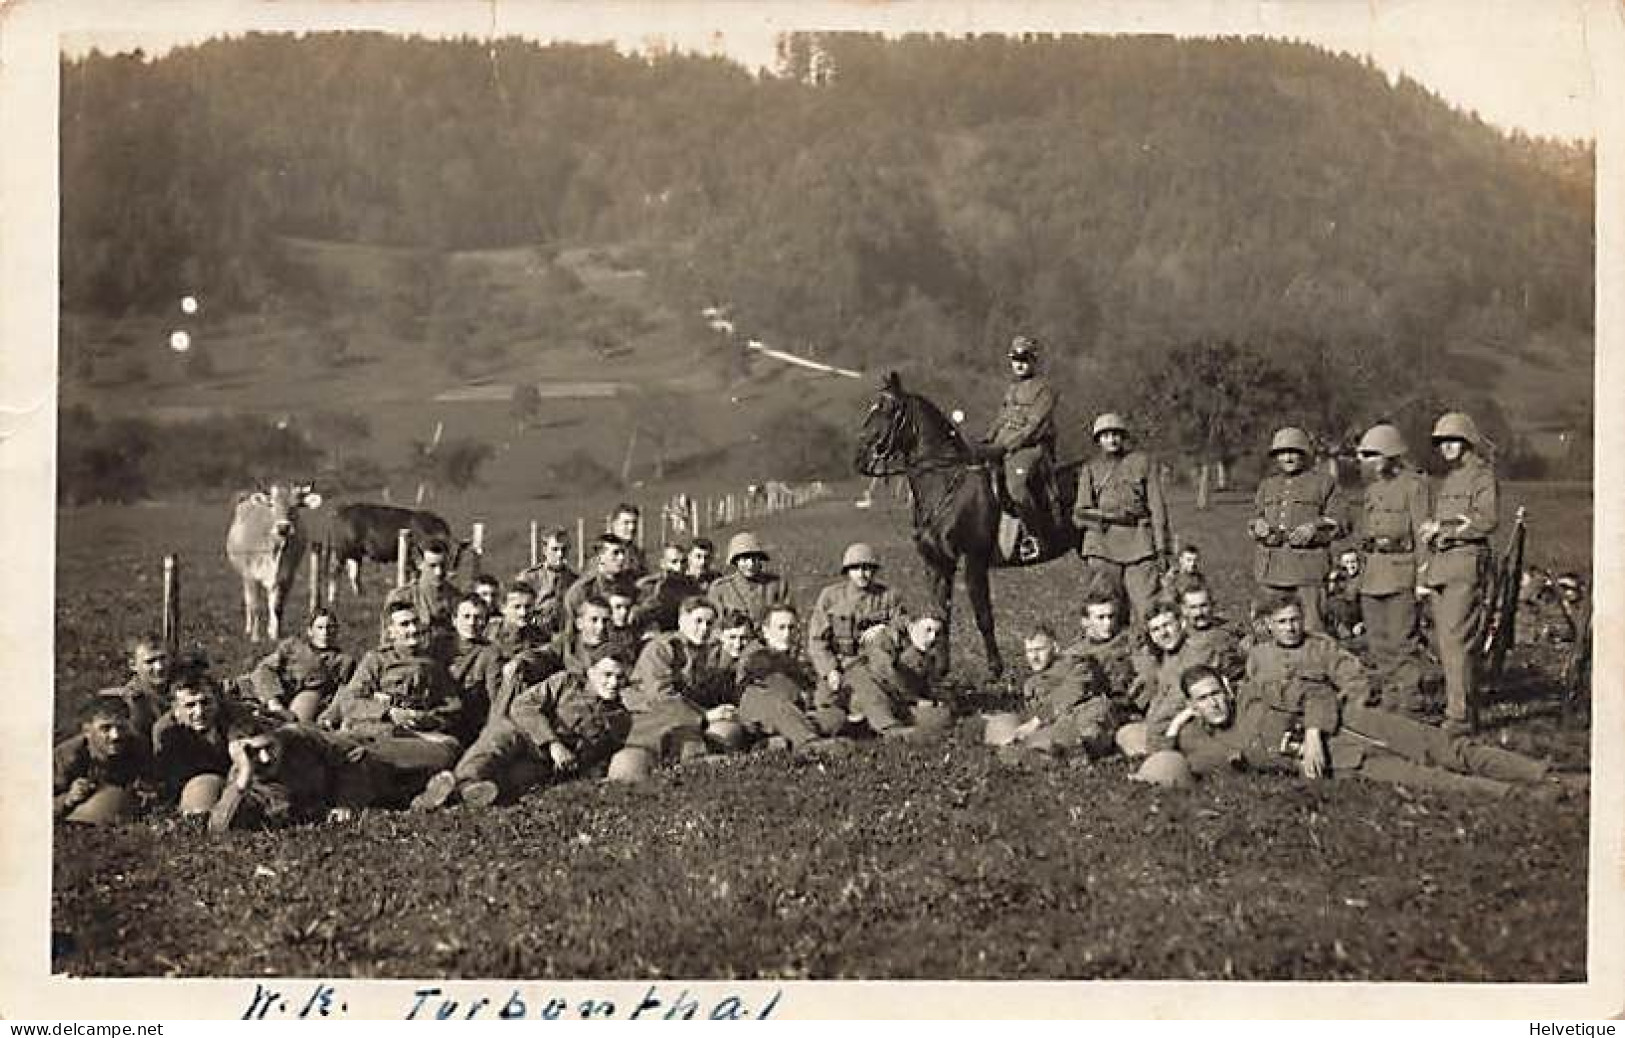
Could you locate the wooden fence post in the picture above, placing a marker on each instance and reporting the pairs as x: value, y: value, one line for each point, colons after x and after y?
x: 172, y: 604
x: 477, y: 545
x: 535, y: 544
x: 317, y: 553
x: 403, y: 549
x: 581, y: 543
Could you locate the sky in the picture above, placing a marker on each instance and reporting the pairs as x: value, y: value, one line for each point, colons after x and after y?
x: 1520, y: 64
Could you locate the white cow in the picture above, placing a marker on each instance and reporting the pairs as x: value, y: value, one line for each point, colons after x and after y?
x: 265, y: 545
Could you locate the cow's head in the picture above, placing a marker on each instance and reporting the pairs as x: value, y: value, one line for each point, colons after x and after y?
x: 284, y: 503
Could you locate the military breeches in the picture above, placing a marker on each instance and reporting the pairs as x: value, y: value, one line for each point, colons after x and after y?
x: 504, y: 755
x: 1022, y: 471
x: 1458, y: 627
x: 1424, y: 744
x: 412, y: 759
x: 1389, y: 767
x: 1390, y: 628
x: 1138, y: 581
x: 1091, y: 727
x: 774, y: 707
x: 666, y: 726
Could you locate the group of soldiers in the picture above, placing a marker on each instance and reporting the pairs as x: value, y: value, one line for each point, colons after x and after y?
x: 476, y: 697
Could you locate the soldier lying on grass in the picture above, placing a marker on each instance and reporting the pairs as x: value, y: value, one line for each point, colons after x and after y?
x: 1303, y: 708
x: 103, y: 775
x: 297, y: 774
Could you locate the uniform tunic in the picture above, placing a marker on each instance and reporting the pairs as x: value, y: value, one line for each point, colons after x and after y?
x: 181, y: 753
x: 780, y: 694
x: 1124, y: 545
x: 1114, y: 658
x: 297, y: 668
x: 594, y: 585
x: 672, y: 686
x: 1457, y: 566
x: 513, y: 750
x: 551, y: 585
x: 1283, y: 503
x: 752, y: 596
x: 1389, y: 535
x: 893, y: 679
x: 1069, y: 700
x: 394, y: 677
x: 72, y: 759
x: 841, y: 613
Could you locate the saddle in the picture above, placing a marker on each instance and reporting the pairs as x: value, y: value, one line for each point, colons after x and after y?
x: 1017, y: 544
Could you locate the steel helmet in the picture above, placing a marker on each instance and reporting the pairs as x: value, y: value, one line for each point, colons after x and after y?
x: 1165, y: 768
x: 1457, y: 426
x: 1108, y: 422
x: 631, y: 764
x: 859, y: 554
x: 1023, y: 348
x: 1291, y: 439
x: 744, y: 543
x: 1000, y: 728
x: 1384, y: 439
x: 728, y: 736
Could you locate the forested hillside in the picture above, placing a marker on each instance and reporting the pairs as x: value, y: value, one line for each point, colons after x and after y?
x: 1135, y: 202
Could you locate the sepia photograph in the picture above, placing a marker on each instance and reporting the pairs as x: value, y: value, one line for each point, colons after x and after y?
x: 534, y: 494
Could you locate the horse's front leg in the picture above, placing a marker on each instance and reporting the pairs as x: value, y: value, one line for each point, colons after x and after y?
x: 981, y: 604
x: 940, y: 569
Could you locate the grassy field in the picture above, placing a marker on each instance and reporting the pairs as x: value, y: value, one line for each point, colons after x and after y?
x: 897, y: 862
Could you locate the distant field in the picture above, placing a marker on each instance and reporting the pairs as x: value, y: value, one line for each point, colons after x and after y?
x: 897, y: 863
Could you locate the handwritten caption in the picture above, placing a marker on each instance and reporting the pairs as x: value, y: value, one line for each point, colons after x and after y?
x: 324, y: 1001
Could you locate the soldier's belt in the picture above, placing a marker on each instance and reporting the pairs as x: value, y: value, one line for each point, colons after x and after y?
x: 1387, y: 546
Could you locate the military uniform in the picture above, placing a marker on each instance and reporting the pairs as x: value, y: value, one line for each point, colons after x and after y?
x: 1161, y: 694
x: 1070, y: 701
x: 302, y: 676
x: 637, y: 564
x: 780, y: 694
x: 1389, y: 535
x: 1025, y: 432
x: 1342, y: 607
x: 1319, y: 686
x: 316, y: 771
x: 412, y: 679
x: 1282, y: 503
x: 890, y: 683
x: 123, y: 780
x: 752, y: 596
x: 551, y: 585
x: 672, y: 686
x: 1115, y: 659
x: 589, y: 586
x: 842, y: 612
x: 147, y: 701
x: 181, y: 753
x: 434, y: 602
x: 1456, y: 568
x: 513, y: 750
x: 659, y: 596
x: 1124, y: 545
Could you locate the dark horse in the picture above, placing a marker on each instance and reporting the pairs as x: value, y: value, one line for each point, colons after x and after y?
x: 956, y: 513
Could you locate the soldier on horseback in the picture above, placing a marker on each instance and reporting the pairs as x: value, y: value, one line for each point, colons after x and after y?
x: 1023, y: 437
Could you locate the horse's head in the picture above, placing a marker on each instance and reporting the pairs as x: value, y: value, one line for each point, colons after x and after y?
x: 901, y: 430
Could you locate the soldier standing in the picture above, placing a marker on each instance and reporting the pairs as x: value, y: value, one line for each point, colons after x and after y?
x: 1458, y: 538
x: 1389, y: 531
x: 1297, y: 513
x: 1121, y: 513
x: 1023, y: 435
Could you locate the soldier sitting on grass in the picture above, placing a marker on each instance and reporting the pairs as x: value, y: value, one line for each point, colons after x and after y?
x: 894, y: 688
x: 858, y: 606
x: 550, y: 579
x: 780, y: 694
x: 555, y: 728
x: 1066, y: 701
x: 103, y: 775
x: 146, y: 693
x: 1108, y: 645
x: 1170, y: 652
x: 750, y: 588
x: 681, y: 690
x: 401, y: 704
x: 299, y: 678
x: 1343, y: 597
x: 609, y: 575
x: 660, y: 593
